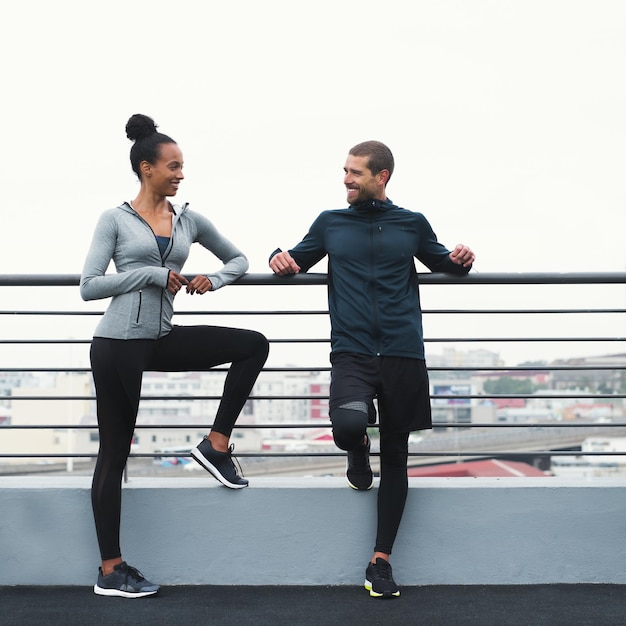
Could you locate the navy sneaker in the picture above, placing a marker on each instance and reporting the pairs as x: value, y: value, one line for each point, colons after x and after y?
x: 125, y: 582
x: 219, y: 464
x: 379, y: 581
x: 359, y: 472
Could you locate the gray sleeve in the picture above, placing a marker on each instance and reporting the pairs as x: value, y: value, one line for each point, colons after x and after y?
x: 95, y: 284
x: 235, y: 261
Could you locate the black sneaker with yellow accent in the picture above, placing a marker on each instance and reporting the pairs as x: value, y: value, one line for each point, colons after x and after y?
x: 125, y: 582
x: 359, y: 472
x: 379, y: 580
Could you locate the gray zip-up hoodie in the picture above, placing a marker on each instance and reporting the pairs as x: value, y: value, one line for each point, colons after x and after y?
x: 141, y: 307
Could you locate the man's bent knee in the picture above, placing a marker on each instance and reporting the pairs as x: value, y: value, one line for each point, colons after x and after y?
x: 349, y: 425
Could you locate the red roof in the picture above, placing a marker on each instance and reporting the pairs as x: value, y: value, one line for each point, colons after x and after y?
x: 474, y: 469
x: 504, y: 403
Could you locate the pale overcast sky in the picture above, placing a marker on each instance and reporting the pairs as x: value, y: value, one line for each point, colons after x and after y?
x: 506, y: 117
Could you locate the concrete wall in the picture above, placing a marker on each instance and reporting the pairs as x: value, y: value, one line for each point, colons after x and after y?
x: 316, y: 531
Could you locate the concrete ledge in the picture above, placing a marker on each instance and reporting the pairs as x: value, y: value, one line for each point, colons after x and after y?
x: 316, y: 531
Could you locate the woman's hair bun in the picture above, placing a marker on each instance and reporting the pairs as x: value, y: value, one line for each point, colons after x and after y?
x: 140, y: 126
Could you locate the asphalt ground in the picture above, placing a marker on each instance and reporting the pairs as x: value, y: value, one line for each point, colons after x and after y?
x: 532, y: 605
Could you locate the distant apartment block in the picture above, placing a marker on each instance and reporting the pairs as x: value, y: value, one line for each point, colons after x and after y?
x: 190, y: 399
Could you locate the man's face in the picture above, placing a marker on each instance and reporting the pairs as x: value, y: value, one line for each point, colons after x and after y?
x: 360, y: 183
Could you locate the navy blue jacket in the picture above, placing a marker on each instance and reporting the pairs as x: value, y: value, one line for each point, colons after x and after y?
x: 373, y: 293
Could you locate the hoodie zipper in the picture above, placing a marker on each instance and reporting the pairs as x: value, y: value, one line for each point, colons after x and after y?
x: 162, y: 265
x: 373, y: 231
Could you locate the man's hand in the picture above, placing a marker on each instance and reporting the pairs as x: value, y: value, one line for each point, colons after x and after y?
x: 282, y: 264
x: 462, y: 255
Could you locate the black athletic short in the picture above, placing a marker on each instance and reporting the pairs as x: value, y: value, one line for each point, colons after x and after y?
x: 399, y: 384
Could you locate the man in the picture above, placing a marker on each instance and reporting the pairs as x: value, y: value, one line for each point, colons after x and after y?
x: 377, y: 346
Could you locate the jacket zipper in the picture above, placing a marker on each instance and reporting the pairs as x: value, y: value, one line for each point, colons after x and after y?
x: 373, y: 288
x: 170, y: 246
x: 162, y: 265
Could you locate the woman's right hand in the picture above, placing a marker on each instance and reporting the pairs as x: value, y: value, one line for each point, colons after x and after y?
x: 175, y: 282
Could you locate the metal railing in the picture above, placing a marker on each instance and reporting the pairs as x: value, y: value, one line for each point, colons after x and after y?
x: 600, y: 326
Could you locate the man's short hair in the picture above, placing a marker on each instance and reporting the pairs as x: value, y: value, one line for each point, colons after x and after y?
x: 378, y: 155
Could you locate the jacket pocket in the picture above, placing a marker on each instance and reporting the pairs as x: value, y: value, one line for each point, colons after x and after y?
x: 139, y: 307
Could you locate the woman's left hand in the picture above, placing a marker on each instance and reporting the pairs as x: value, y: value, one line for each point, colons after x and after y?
x: 200, y: 284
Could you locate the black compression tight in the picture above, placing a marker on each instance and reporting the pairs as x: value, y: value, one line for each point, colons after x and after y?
x: 118, y: 366
x: 393, y: 488
x: 349, y: 428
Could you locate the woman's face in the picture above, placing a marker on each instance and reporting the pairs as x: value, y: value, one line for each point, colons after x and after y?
x: 165, y: 174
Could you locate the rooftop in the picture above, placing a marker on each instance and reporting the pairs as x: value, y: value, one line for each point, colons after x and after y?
x: 447, y: 605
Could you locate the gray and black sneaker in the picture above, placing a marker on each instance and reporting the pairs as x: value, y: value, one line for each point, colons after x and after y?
x: 125, y: 582
x: 359, y: 472
x: 379, y: 581
x: 219, y: 464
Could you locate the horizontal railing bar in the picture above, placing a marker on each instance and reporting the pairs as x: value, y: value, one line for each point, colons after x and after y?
x: 517, y: 311
x: 509, y: 396
x: 559, y: 424
x: 521, y: 311
x: 88, y: 341
x: 298, y: 425
x: 312, y: 278
x: 214, y: 312
x: 515, y: 339
x: 270, y: 455
x: 449, y: 453
x: 485, y: 396
x: 326, y: 368
x: 526, y: 368
x: 326, y: 340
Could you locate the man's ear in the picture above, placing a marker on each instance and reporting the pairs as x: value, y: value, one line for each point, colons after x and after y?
x: 383, y: 176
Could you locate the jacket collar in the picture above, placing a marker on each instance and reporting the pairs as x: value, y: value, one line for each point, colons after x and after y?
x: 178, y: 209
x: 373, y: 206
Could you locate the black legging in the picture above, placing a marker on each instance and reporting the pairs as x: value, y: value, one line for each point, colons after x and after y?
x: 117, y: 367
x: 393, y: 488
x: 349, y: 428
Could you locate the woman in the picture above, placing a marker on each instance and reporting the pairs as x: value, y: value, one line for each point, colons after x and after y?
x: 148, y: 240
